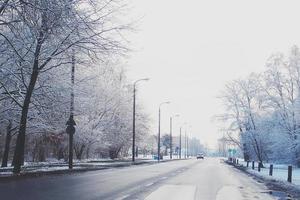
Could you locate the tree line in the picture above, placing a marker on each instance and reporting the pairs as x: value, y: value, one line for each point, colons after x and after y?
x: 262, y: 114
x: 37, y: 42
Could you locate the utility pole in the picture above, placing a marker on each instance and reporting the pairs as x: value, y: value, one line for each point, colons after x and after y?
x: 71, y: 123
x: 187, y: 146
x: 185, y: 152
x: 133, y: 119
x: 133, y: 127
x: 158, y: 138
x: 171, y: 138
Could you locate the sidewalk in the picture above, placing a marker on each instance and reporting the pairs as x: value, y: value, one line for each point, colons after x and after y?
x: 277, y: 187
x: 46, y: 168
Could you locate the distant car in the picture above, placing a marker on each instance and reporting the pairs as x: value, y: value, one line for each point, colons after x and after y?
x: 200, y: 156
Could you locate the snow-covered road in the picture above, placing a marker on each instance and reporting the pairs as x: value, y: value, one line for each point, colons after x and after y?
x: 207, y: 179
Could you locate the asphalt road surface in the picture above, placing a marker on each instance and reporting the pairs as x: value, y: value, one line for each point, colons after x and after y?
x: 208, y: 179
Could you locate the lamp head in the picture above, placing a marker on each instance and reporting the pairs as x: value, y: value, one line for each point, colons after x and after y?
x: 166, y: 102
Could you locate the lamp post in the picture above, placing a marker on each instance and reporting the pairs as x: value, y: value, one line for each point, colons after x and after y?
x: 71, y: 123
x: 133, y: 119
x: 180, y: 144
x: 187, y: 146
x: 185, y: 152
x: 187, y: 143
x: 171, y: 144
x: 158, y: 142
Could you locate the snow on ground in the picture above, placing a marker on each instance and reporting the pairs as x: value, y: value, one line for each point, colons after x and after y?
x: 229, y: 192
x: 280, y: 171
x: 55, y: 165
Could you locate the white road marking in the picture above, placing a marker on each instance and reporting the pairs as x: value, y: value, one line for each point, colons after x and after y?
x: 162, y: 178
x: 123, y: 197
x: 149, y: 184
x: 174, y: 192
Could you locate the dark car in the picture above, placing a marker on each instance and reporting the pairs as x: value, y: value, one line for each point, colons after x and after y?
x: 200, y: 156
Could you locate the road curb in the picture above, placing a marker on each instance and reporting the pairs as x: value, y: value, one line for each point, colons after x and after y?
x: 29, y: 174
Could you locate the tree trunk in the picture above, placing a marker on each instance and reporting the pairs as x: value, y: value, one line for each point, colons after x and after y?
x: 18, y: 159
x: 79, y: 152
x: 87, y: 152
x: 41, y: 153
x: 7, y: 144
x: 60, y: 153
x: 113, y: 153
x: 35, y: 151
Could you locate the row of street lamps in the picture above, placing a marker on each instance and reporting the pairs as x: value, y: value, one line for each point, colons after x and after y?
x: 159, y: 124
x: 71, y: 123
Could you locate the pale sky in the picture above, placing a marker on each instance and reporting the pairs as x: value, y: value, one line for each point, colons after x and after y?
x: 191, y: 48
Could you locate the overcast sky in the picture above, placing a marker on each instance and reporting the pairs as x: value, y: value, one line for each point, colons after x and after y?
x: 191, y: 48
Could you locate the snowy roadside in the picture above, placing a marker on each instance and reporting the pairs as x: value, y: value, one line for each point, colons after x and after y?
x: 276, y: 184
x: 280, y: 171
x: 45, y: 168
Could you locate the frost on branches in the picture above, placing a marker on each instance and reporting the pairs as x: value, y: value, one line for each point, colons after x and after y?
x: 37, y: 39
x: 263, y: 111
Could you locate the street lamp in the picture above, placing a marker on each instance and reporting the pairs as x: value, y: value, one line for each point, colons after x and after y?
x: 158, y: 143
x: 180, y: 144
x: 187, y: 146
x: 185, y: 140
x: 133, y: 124
x: 171, y: 144
x: 187, y: 143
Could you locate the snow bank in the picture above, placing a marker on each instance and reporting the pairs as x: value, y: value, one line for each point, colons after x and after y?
x: 280, y: 171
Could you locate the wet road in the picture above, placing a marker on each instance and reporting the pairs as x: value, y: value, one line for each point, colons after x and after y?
x: 207, y: 179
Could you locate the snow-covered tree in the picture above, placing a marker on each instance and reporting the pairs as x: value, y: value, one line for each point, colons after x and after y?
x: 37, y: 41
x: 264, y: 110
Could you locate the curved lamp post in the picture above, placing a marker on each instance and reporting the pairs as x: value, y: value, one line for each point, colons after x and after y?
x: 187, y: 143
x: 133, y: 119
x: 180, y: 146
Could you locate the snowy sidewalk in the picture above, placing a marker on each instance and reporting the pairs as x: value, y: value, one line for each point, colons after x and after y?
x: 277, y: 183
x: 280, y: 171
x: 43, y: 168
